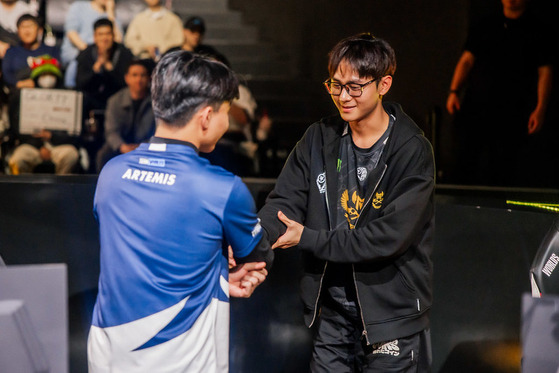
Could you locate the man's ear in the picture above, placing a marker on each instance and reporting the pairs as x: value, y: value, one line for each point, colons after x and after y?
x: 205, y: 115
x: 384, y: 85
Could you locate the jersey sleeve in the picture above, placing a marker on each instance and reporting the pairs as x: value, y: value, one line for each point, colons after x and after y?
x: 241, y: 226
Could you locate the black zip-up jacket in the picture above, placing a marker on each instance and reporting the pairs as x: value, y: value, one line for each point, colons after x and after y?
x: 390, y: 247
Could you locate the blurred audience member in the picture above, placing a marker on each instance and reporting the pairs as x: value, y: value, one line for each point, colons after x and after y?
x: 44, y: 151
x: 16, y: 63
x: 153, y: 31
x: 193, y: 32
x: 239, y: 150
x: 101, y: 66
x: 78, y: 31
x: 505, y: 73
x: 129, y: 116
x: 15, y: 66
x: 10, y: 11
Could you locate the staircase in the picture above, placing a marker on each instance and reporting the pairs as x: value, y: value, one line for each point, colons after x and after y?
x: 268, y: 70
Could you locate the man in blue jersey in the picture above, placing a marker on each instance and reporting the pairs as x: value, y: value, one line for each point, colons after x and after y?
x: 166, y: 219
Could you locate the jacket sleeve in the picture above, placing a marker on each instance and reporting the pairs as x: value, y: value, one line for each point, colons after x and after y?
x: 290, y: 193
x: 132, y: 38
x: 112, y: 122
x: 407, y: 212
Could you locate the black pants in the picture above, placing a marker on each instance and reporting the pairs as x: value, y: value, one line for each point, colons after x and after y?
x: 339, y: 348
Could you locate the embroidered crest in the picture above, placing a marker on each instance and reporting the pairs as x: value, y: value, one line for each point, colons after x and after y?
x: 361, y: 173
x: 321, y: 182
x: 351, y: 212
x: 377, y: 201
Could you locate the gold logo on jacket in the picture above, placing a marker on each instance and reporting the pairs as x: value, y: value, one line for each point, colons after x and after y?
x: 352, y: 208
x: 377, y: 201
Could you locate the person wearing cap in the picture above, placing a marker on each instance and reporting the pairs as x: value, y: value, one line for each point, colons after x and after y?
x: 153, y: 31
x: 193, y: 32
x: 44, y: 151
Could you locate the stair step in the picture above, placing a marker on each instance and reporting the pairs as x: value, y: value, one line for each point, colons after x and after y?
x: 213, y: 18
x: 199, y: 5
x: 231, y: 32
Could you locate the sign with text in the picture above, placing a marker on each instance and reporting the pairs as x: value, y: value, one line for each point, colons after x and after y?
x: 50, y: 109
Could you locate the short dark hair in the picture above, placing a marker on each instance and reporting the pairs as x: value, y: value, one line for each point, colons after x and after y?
x: 28, y: 17
x: 139, y: 62
x: 184, y: 82
x: 368, y: 55
x: 103, y: 22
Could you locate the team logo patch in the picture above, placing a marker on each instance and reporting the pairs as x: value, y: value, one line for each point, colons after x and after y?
x: 387, y: 348
x: 377, y: 201
x: 321, y: 182
x: 361, y: 173
x: 157, y: 162
x: 352, y: 207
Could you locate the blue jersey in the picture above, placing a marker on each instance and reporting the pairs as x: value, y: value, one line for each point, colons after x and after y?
x: 166, y: 217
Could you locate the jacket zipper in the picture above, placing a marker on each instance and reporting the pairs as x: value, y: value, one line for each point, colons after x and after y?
x: 325, y: 264
x: 364, y: 334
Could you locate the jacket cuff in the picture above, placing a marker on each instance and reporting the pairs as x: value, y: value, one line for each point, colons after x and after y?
x: 308, y: 239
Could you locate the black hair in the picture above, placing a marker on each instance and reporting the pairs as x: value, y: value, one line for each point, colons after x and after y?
x: 184, y: 82
x: 28, y: 17
x: 139, y: 62
x: 103, y: 22
x: 369, y: 56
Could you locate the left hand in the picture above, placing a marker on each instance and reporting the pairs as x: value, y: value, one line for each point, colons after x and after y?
x: 245, y: 278
x: 292, y: 235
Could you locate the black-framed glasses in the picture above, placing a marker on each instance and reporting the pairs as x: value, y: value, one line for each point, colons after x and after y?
x: 353, y: 89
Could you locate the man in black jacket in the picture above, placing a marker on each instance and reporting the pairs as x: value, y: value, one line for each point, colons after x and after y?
x: 356, y: 196
x: 101, y: 67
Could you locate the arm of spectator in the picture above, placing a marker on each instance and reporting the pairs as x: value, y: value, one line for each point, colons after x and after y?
x: 111, y: 15
x: 461, y: 72
x: 545, y: 78
x: 3, y: 48
x: 175, y: 36
x: 112, y: 124
x: 25, y: 83
x: 76, y: 40
x: 85, y: 77
x: 132, y: 39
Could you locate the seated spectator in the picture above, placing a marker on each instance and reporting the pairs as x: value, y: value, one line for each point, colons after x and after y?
x: 78, y: 31
x: 153, y: 31
x: 15, y: 65
x: 10, y: 11
x: 129, y: 116
x: 193, y: 32
x: 101, y: 67
x: 44, y: 151
x: 240, y: 149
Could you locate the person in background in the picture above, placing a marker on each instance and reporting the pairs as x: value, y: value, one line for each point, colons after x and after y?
x: 499, y: 95
x: 79, y: 32
x: 102, y: 66
x: 10, y: 11
x: 153, y: 31
x: 45, y: 151
x: 193, y: 31
x: 129, y: 116
x: 16, y: 63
